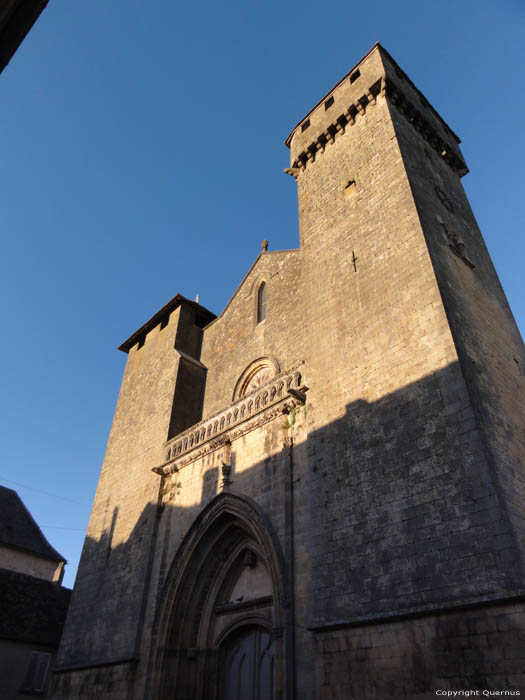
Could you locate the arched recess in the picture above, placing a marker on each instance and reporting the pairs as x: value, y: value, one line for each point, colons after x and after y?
x: 227, y: 583
x: 258, y: 372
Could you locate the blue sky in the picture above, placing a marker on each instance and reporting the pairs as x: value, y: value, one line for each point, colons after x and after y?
x: 142, y: 155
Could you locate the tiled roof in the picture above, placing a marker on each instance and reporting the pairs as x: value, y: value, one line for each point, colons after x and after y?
x: 31, y: 609
x: 19, y: 530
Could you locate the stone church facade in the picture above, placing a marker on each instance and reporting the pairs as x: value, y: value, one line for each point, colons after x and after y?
x: 319, y: 493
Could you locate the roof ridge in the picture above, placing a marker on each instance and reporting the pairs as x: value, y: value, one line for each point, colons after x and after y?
x: 19, y: 530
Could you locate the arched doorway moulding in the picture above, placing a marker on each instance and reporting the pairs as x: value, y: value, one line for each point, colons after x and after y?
x: 248, y: 621
x: 185, y: 657
x: 207, y: 635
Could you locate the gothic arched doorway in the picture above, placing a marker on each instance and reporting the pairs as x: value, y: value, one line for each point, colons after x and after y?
x: 221, y: 622
x: 248, y: 664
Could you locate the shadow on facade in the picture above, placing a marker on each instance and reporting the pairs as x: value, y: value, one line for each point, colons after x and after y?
x: 390, y: 537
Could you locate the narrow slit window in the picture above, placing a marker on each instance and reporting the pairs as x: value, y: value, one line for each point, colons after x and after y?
x: 261, y: 303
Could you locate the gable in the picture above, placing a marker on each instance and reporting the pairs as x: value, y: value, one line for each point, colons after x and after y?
x: 238, y: 338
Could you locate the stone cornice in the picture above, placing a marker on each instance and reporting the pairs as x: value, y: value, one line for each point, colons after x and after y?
x: 260, y: 602
x: 279, y: 396
x: 505, y: 598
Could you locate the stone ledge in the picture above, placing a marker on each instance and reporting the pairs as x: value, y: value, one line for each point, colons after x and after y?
x: 244, y: 605
x: 418, y: 611
x: 96, y: 664
x: 281, y: 394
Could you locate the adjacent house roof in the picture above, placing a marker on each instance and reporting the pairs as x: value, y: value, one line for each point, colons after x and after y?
x: 19, y: 530
x: 31, y: 609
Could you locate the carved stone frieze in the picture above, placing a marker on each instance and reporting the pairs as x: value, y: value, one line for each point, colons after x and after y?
x: 277, y: 397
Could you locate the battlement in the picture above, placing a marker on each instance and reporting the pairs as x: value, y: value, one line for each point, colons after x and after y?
x: 377, y: 74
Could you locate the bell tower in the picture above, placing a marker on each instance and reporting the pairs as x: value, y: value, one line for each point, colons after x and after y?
x: 414, y: 357
x: 415, y: 368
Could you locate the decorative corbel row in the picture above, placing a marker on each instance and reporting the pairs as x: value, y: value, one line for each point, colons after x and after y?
x: 423, y: 126
x: 335, y: 129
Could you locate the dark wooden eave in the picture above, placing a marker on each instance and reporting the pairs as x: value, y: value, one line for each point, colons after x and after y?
x: 203, y: 317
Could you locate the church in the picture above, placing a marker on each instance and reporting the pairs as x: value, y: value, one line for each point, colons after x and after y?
x: 318, y: 494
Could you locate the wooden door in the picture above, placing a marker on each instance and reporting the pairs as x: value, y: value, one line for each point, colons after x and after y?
x: 248, y: 665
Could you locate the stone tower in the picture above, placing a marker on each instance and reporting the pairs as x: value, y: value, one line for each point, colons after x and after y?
x: 318, y: 493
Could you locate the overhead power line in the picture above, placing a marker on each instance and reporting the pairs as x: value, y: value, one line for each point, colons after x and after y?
x: 45, y: 493
x: 59, y: 527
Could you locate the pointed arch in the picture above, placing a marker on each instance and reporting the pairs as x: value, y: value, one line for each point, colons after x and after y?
x: 195, y: 616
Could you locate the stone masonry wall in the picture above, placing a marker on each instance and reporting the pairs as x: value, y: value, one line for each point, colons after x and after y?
x: 488, y: 342
x: 234, y: 339
x: 402, y: 510
x: 107, y: 599
x: 112, y: 682
x: 26, y: 563
x: 258, y: 473
x: 474, y: 650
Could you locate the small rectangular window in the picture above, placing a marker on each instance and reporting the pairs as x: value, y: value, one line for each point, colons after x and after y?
x: 305, y: 125
x: 37, y: 669
x: 355, y: 75
x: 329, y: 102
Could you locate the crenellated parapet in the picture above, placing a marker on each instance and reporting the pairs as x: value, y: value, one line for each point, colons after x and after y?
x: 377, y: 76
x: 415, y: 117
x: 336, y: 127
x: 385, y: 86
